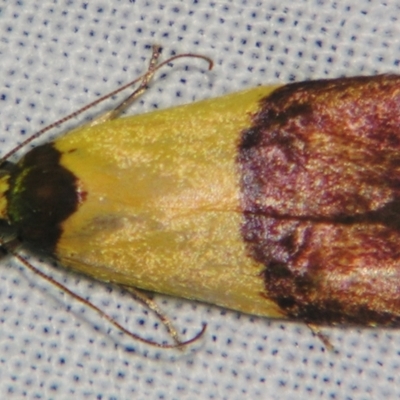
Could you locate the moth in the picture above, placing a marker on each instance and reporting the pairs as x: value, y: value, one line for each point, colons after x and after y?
x: 280, y: 201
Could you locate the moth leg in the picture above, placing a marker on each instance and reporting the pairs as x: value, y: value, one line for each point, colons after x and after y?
x: 316, y: 331
x: 123, y: 105
x: 144, y: 80
x: 152, y: 305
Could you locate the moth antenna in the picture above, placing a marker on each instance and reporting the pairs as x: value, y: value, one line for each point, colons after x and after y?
x: 111, y: 320
x: 145, y: 78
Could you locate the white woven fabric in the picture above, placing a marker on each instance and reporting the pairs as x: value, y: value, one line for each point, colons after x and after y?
x: 58, y: 55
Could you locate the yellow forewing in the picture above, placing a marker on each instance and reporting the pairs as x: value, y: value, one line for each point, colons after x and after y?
x: 160, y: 208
